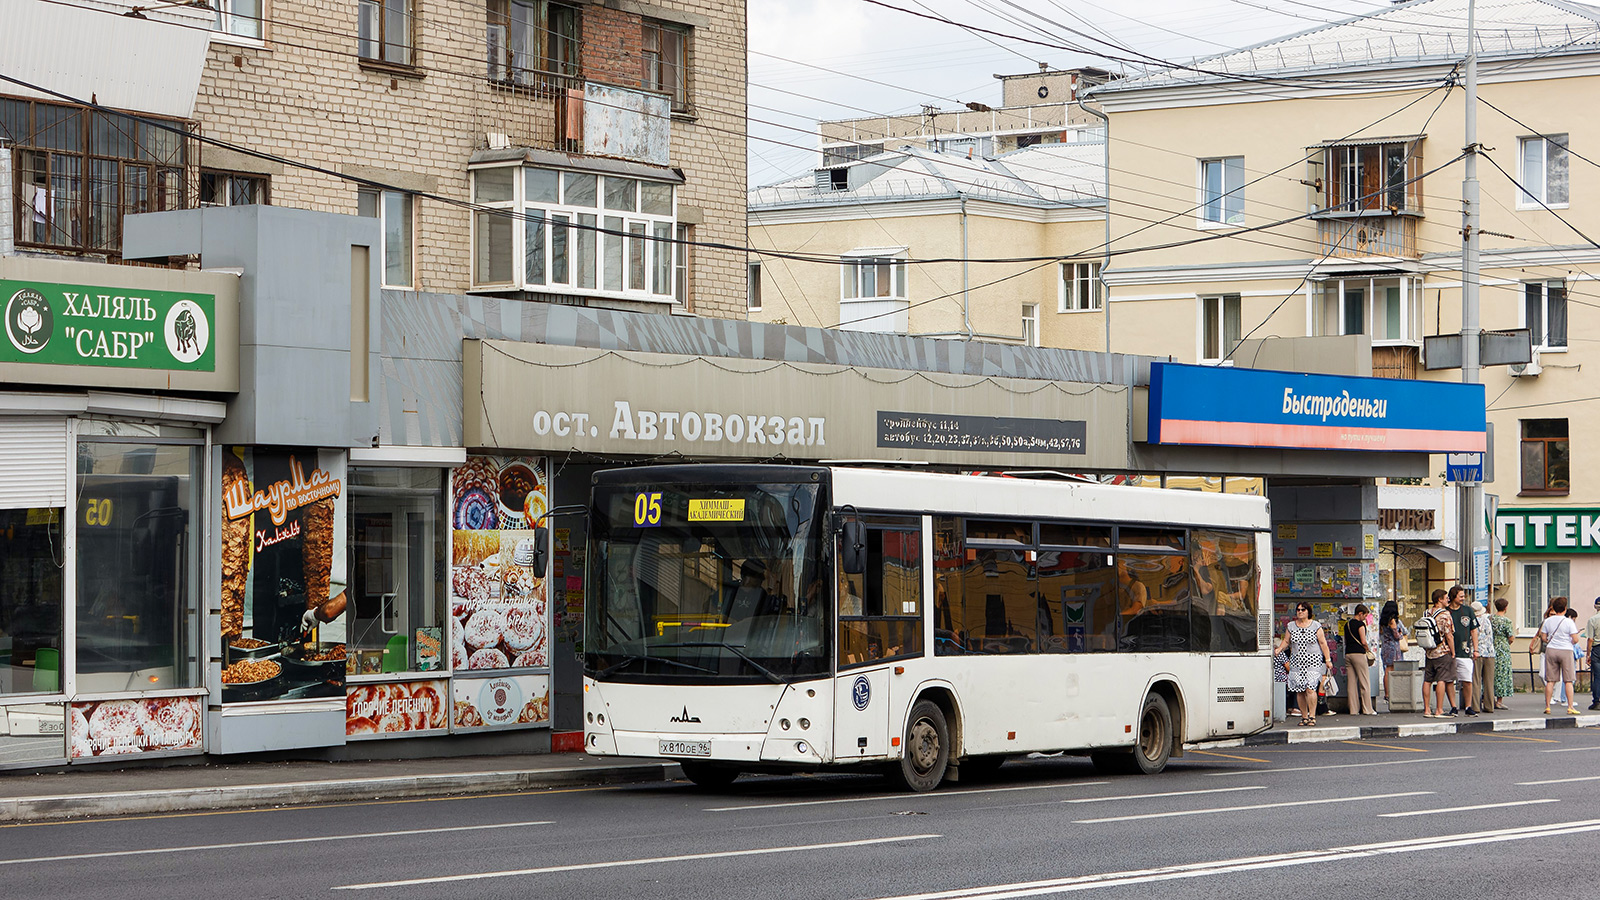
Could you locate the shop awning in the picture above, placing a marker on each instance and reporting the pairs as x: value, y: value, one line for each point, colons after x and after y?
x: 1437, y: 551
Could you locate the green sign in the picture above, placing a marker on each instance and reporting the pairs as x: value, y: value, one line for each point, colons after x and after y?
x: 1557, y: 529
x: 87, y: 325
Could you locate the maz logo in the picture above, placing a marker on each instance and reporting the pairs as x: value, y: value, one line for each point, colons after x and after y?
x: 684, y: 717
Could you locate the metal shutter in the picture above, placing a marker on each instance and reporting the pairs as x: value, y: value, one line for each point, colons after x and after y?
x: 33, y: 463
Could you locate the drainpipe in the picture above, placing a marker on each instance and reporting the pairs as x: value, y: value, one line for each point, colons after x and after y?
x: 966, y: 266
x: 1105, y: 292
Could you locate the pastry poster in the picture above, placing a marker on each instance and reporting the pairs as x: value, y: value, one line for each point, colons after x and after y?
x: 117, y: 727
x: 500, y: 701
x: 283, y: 573
x: 498, y: 603
x: 375, y: 709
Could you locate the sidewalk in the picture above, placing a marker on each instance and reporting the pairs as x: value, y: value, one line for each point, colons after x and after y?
x: 1525, y: 712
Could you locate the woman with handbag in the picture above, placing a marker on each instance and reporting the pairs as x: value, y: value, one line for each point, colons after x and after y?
x: 1358, y: 656
x: 1556, y: 635
x: 1309, y: 659
x: 1392, y: 639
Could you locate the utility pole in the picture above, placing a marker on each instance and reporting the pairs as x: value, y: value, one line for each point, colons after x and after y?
x: 1469, y: 494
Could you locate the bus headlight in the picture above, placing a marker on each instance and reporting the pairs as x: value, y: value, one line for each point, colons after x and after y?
x: 802, y: 747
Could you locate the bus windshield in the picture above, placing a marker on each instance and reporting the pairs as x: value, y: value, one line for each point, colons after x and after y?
x: 707, y: 583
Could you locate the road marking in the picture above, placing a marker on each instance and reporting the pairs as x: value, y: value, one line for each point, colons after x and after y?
x: 901, y: 798
x: 1250, y: 863
x: 1572, y: 750
x: 577, y: 867
x: 1519, y: 737
x: 273, y: 843
x: 1558, y: 781
x: 1389, y: 762
x: 1226, y: 809
x: 1424, y: 812
x: 1390, y: 747
x: 1230, y: 756
x: 1164, y: 794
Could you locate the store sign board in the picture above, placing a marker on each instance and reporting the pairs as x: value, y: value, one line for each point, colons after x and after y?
x: 1227, y: 406
x: 500, y: 701
x: 92, y: 325
x: 399, y: 708
x: 1562, y: 530
x: 132, y: 726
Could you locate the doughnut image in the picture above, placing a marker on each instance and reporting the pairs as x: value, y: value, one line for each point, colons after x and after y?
x: 487, y: 659
x: 484, y: 629
x: 118, y: 722
x: 174, y: 723
x: 532, y: 659
x: 458, y: 651
x: 523, y: 628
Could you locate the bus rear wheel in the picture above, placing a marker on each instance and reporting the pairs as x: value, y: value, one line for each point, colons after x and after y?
x: 708, y: 775
x: 1154, y: 746
x: 927, y: 749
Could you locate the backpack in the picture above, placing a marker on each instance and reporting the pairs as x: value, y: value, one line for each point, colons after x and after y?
x: 1427, y: 633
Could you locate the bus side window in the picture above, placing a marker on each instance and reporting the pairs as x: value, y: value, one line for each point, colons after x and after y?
x: 1226, y: 581
x: 880, y: 609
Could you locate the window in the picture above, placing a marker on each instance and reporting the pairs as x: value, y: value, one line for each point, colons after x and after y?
x: 1541, y: 583
x: 869, y: 277
x: 78, y: 172
x: 1544, y: 171
x: 575, y: 232
x: 1227, y: 584
x: 532, y: 42
x: 1382, y: 176
x: 232, y: 189
x: 1546, y: 457
x: 397, y: 563
x: 384, y: 31
x: 1544, y: 312
x: 393, y: 208
x: 1080, y: 287
x: 1219, y: 327
x: 666, y: 58
x: 31, y: 560
x: 753, y: 286
x: 873, y: 294
x: 880, y: 609
x: 239, y: 17
x: 1222, y: 190
x: 1387, y: 309
x: 1030, y: 324
x: 683, y: 268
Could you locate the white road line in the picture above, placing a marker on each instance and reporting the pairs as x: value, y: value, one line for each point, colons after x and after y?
x: 901, y: 798
x: 617, y: 864
x: 1572, y: 750
x: 1165, y: 794
x: 1424, y: 812
x: 1244, y: 864
x: 1558, y: 781
x: 275, y: 843
x: 1226, y: 809
x: 1360, y: 765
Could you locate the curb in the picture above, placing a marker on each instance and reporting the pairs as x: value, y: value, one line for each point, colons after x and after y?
x: 243, y: 796
x: 1379, y: 732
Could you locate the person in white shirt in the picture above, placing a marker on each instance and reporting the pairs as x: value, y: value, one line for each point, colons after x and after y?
x: 1483, y: 663
x: 1556, y: 634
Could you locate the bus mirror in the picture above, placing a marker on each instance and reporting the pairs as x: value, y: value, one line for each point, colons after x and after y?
x: 541, y: 550
x: 853, y: 547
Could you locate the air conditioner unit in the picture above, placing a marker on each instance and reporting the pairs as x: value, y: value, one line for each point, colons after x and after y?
x: 1529, y: 369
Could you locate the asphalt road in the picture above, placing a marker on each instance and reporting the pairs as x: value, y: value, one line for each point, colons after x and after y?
x: 1458, y: 816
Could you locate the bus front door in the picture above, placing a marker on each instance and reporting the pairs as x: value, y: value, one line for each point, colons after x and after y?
x: 861, y: 715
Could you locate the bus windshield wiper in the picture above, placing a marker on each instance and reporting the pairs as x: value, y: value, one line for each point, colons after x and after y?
x: 767, y: 673
x: 630, y: 660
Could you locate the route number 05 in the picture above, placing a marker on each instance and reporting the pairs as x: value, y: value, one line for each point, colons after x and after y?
x: 647, y: 509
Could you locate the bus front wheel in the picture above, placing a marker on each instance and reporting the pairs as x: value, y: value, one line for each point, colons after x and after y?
x: 1154, y: 747
x: 708, y: 775
x: 927, y: 748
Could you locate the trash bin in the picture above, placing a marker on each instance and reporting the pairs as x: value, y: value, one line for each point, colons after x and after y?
x: 1405, y: 687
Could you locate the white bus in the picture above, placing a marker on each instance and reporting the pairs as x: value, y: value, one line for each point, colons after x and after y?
x: 748, y: 618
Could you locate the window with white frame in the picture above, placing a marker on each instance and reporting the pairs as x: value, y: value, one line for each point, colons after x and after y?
x: 1544, y: 312
x: 872, y: 292
x: 1542, y: 582
x: 585, y: 233
x: 383, y: 31
x: 683, y: 268
x: 873, y: 277
x: 753, y: 286
x: 394, y: 210
x: 1220, y: 319
x: 1030, y: 324
x: 1080, y: 287
x: 1222, y: 190
x: 1544, y: 171
x: 238, y: 17
x: 1388, y: 310
x: 532, y: 42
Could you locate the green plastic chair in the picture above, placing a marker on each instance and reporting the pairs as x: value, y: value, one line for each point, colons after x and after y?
x: 47, y: 670
x: 394, y: 654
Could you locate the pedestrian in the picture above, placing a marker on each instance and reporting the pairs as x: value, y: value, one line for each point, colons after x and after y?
x: 1556, y: 634
x: 1309, y: 659
x: 1579, y: 663
x: 1591, y: 634
x: 1439, y: 672
x: 1358, y: 657
x: 1391, y: 639
x: 1466, y: 647
x: 1504, y: 631
x: 1483, y: 664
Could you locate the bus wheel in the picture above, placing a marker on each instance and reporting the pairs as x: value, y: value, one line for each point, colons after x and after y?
x: 1151, y: 753
x: 708, y: 775
x: 927, y: 750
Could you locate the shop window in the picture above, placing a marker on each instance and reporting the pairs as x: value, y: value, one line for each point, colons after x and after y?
x: 880, y: 609
x: 1541, y: 583
x: 32, y: 557
x: 397, y: 560
x: 384, y: 31
x: 137, y: 566
x: 393, y: 210
x: 1546, y: 457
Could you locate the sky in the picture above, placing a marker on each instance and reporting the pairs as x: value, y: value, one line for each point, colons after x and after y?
x: 887, y: 62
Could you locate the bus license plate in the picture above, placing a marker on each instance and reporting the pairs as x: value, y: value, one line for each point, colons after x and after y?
x: 685, y: 748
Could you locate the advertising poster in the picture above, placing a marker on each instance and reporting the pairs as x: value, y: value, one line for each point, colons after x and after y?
x: 498, y: 602
x: 401, y: 708
x: 283, y: 574
x: 118, y: 727
x: 500, y: 701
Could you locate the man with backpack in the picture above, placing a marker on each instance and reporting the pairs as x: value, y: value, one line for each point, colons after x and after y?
x: 1435, y: 634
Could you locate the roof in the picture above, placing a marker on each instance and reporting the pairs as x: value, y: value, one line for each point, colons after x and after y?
x: 1043, y: 175
x: 1419, y: 32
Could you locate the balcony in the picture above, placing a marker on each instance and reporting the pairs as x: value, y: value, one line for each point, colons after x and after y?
x: 1395, y: 362
x: 1366, y: 234
x: 549, y: 111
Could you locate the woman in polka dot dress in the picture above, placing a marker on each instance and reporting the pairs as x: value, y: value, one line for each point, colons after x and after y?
x: 1309, y: 659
